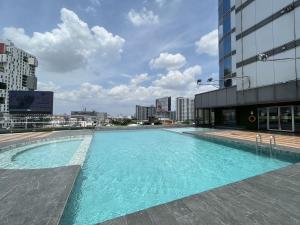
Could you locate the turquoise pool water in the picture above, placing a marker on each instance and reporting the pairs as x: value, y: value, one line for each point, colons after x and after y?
x: 127, y: 171
x: 46, y: 156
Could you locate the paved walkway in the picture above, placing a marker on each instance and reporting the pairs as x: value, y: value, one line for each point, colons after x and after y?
x: 269, y: 199
x: 17, y: 138
x: 35, y: 197
x: 289, y: 141
x: 23, y: 136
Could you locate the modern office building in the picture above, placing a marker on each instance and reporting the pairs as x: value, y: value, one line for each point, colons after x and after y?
x: 163, y: 109
x: 163, y: 104
x: 17, y: 72
x: 227, y: 43
x: 184, y: 109
x: 262, y: 81
x: 144, y: 113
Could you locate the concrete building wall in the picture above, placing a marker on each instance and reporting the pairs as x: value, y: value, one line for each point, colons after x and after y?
x: 184, y: 109
x: 17, y: 71
x: 271, y: 27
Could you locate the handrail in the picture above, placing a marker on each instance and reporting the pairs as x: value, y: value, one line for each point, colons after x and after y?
x: 258, y: 139
x: 272, y: 144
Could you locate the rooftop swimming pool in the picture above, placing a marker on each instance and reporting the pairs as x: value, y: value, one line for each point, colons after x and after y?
x: 127, y: 171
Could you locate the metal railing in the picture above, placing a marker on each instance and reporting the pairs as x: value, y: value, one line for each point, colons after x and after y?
x: 258, y: 141
x: 272, y: 144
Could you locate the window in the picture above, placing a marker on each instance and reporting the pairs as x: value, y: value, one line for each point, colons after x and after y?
x: 227, y: 66
x: 227, y: 24
x: 226, y: 6
x: 229, y: 117
x: 2, y: 85
x: 297, y: 118
x: 227, y: 45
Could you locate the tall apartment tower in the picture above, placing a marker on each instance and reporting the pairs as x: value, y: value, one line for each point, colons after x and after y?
x: 259, y: 48
x: 184, y: 109
x: 17, y: 72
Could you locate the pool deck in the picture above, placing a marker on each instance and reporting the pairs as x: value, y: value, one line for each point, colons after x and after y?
x: 269, y: 199
x: 282, y: 140
x: 35, y: 197
x: 18, y: 138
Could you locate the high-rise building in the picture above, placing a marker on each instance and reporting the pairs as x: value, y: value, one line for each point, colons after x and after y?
x: 184, y: 109
x: 17, y: 72
x: 163, y: 104
x: 144, y: 113
x: 259, y: 55
x: 227, y: 49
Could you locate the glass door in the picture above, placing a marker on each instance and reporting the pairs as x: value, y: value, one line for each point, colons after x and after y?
x: 286, y: 118
x: 262, y: 118
x: 273, y: 116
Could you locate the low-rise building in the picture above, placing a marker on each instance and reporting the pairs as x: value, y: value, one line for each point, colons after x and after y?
x: 89, y: 118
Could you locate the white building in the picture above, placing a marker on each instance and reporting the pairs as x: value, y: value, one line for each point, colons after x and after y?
x: 256, y: 93
x: 17, y: 72
x: 92, y: 117
x: 184, y: 109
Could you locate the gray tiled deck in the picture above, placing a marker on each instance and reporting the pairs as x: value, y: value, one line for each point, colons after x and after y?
x: 35, y: 197
x: 269, y: 199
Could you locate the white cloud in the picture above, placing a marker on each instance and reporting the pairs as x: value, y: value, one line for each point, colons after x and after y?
x: 70, y: 46
x: 168, y: 61
x: 174, y: 83
x: 176, y: 79
x: 139, y: 79
x: 144, y: 17
x: 208, y: 43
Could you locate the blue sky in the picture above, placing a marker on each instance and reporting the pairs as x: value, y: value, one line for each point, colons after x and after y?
x: 109, y: 55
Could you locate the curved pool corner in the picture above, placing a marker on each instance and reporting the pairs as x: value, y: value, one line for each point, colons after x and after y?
x: 46, y: 153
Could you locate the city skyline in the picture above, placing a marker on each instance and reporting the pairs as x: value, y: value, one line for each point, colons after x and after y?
x: 97, y: 54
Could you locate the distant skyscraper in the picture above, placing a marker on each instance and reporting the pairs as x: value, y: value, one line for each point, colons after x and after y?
x: 163, y: 105
x: 17, y: 72
x: 184, y: 109
x: 143, y: 113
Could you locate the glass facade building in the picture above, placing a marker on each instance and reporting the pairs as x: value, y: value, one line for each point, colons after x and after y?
x: 255, y: 94
x: 226, y: 45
